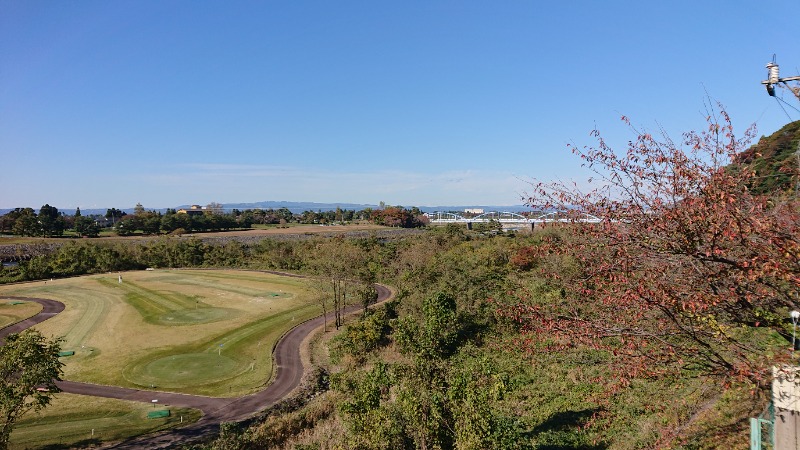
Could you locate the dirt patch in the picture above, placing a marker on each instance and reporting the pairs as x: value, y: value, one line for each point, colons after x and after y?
x: 300, y: 229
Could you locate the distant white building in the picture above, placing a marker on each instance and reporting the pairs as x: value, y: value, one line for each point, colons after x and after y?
x: 474, y: 210
x: 195, y: 210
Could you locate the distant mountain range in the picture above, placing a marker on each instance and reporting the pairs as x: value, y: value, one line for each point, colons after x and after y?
x: 298, y: 207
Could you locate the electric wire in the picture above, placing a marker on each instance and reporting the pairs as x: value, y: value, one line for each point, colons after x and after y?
x: 784, y: 109
x: 789, y: 104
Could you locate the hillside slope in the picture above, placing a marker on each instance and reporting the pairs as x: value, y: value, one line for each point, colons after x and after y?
x: 774, y: 159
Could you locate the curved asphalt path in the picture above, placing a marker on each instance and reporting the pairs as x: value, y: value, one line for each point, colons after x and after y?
x: 287, y: 377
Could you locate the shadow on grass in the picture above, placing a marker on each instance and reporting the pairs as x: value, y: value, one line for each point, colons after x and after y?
x: 564, y: 431
x: 566, y: 420
x: 86, y: 443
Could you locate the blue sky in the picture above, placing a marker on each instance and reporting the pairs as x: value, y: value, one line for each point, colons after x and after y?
x: 110, y: 103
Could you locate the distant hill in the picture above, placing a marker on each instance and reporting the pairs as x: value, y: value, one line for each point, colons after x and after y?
x: 774, y: 159
x: 295, y: 207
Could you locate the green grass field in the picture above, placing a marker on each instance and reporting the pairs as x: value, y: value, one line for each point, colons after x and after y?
x: 191, y: 331
x: 12, y: 311
x: 79, y: 421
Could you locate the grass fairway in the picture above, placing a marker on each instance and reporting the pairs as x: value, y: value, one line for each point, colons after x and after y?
x: 202, y: 332
x: 12, y: 311
x: 69, y: 420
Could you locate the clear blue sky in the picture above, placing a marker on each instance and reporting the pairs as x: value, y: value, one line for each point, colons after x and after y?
x: 110, y: 103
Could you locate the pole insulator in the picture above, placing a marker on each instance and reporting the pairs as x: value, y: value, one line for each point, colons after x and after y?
x: 774, y: 73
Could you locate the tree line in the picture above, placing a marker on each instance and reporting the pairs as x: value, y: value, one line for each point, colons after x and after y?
x: 50, y: 222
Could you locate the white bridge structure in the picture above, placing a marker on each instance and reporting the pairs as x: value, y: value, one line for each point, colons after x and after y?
x: 511, y: 218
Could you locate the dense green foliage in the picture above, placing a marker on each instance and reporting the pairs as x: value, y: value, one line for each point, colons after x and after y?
x: 444, y: 394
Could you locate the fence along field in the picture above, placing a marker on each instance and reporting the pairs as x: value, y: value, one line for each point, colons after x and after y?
x: 197, y: 332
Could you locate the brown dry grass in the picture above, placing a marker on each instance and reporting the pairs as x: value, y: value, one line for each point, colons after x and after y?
x: 293, y: 230
x: 11, y: 313
x: 300, y: 229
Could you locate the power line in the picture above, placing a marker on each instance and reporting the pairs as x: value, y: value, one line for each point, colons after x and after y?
x: 787, y: 104
x: 784, y: 109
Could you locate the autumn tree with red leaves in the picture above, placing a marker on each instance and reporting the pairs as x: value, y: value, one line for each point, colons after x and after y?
x: 688, y: 270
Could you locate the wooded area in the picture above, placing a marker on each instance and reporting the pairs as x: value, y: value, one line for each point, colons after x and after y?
x: 50, y: 222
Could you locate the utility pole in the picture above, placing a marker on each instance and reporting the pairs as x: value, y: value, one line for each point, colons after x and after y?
x: 774, y: 79
x: 785, y: 420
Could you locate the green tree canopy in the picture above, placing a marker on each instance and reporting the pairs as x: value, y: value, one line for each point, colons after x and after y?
x: 29, y: 368
x: 50, y: 220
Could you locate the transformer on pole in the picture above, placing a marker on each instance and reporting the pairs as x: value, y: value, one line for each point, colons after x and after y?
x: 774, y: 79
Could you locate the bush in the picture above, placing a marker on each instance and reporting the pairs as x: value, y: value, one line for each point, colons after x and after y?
x: 362, y: 337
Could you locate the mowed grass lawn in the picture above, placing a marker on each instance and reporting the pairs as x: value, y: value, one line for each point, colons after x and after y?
x: 13, y: 311
x: 72, y: 421
x: 207, y: 332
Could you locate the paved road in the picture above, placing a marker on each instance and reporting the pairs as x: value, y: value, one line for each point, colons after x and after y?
x: 288, y: 374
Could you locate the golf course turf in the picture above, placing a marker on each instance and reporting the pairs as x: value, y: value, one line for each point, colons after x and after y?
x: 193, y: 331
x: 72, y: 421
x: 259, y: 332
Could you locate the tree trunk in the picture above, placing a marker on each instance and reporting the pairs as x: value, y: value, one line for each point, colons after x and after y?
x: 336, y: 305
x: 324, y: 315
